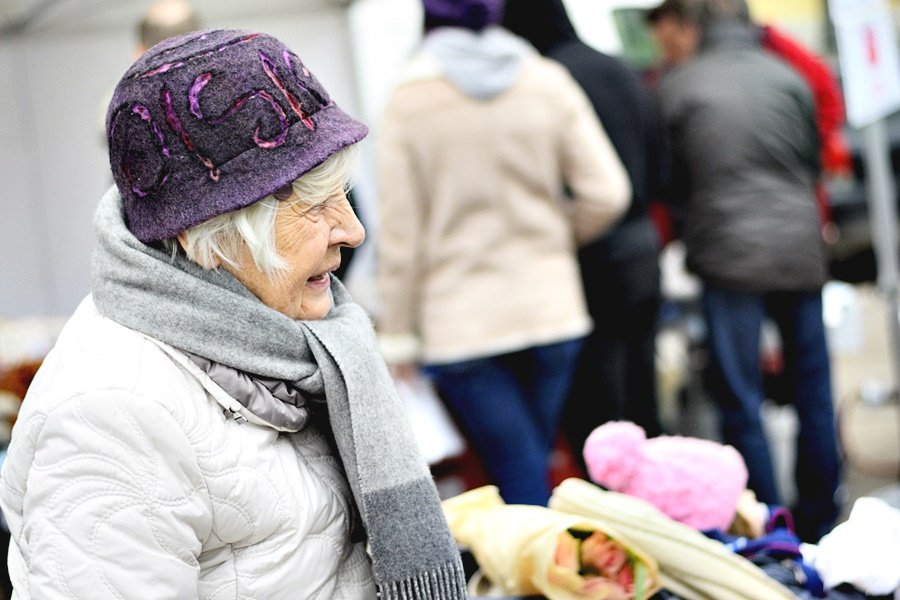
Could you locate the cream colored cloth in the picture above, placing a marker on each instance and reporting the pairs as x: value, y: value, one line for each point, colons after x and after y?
x: 517, y: 548
x: 691, y: 565
x: 476, y: 239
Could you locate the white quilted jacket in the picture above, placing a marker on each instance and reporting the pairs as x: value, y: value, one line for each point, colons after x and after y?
x: 127, y: 478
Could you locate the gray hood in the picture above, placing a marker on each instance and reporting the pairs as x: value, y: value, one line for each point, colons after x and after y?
x: 481, y: 64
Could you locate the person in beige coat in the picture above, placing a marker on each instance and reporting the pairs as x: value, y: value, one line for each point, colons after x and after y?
x: 479, y: 282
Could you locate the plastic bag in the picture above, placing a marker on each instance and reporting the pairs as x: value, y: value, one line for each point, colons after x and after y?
x: 436, y: 434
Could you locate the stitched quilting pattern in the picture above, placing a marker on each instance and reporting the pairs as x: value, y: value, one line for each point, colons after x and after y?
x: 146, y: 485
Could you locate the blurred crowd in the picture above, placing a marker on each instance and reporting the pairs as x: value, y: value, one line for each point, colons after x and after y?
x: 528, y: 183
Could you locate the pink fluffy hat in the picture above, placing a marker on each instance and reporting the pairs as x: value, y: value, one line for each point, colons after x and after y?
x: 697, y: 482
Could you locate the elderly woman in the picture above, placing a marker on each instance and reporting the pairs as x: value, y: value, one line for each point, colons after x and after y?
x: 215, y: 420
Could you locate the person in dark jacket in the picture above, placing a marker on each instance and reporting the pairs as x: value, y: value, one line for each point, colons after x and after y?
x: 743, y: 132
x: 676, y: 32
x: 620, y: 271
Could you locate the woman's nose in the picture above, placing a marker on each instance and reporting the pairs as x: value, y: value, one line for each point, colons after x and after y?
x: 348, y: 231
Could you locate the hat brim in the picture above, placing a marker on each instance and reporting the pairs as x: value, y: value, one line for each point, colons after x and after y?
x: 252, y: 175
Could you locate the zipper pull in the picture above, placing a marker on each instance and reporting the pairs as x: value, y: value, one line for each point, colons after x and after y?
x: 241, y: 419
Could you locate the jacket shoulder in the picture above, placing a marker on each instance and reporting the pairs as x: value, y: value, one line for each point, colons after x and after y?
x: 95, y: 355
x: 546, y: 74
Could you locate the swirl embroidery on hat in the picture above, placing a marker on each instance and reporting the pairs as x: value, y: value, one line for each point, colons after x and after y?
x: 312, y: 90
x: 175, y: 123
x: 194, y: 101
x: 144, y: 114
x: 163, y: 68
x: 274, y: 73
x: 269, y: 67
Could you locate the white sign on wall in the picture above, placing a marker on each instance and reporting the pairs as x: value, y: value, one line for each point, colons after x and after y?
x: 870, y: 68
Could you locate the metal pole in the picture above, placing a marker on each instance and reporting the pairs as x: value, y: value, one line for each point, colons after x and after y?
x: 883, y: 219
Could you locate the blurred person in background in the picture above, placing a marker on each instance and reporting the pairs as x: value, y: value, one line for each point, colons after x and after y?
x: 212, y: 419
x: 674, y: 27
x: 677, y: 35
x: 745, y: 163
x: 477, y: 267
x: 616, y: 376
x: 163, y: 20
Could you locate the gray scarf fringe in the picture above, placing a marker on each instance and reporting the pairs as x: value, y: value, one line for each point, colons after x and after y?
x: 441, y: 583
x: 209, y: 313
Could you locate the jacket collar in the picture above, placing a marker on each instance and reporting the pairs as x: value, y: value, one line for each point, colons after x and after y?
x: 729, y: 35
x: 242, y: 398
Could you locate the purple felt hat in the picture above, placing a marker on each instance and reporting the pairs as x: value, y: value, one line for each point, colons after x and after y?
x: 213, y: 121
x: 469, y: 14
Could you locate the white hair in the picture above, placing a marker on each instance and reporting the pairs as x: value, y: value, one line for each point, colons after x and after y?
x: 219, y: 239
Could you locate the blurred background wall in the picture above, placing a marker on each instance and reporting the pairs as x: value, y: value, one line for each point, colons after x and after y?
x: 59, y: 61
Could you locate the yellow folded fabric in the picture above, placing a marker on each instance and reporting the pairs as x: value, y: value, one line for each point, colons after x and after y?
x: 691, y: 565
x: 536, y: 550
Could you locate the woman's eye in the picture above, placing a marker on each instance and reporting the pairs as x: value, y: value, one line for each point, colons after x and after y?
x: 307, y: 210
x: 333, y: 202
x: 315, y: 210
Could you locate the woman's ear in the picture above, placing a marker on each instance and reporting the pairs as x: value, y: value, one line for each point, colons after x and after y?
x: 213, y: 261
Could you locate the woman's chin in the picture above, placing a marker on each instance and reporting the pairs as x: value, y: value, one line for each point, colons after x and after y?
x: 316, y: 314
x: 315, y: 305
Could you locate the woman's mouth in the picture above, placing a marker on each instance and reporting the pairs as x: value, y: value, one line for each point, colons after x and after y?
x: 320, y: 279
x: 323, y: 279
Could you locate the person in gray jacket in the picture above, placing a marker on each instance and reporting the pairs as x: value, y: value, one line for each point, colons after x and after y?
x: 745, y: 155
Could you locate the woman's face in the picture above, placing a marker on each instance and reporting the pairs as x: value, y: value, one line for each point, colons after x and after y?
x: 309, y: 239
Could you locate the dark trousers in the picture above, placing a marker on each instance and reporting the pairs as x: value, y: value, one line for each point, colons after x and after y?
x: 616, y: 374
x: 509, y: 407
x: 615, y: 380
x: 734, y: 320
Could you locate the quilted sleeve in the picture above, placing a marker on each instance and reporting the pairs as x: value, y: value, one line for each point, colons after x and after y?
x: 114, y: 506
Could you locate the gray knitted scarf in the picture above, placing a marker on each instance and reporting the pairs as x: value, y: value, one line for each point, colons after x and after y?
x: 210, y: 314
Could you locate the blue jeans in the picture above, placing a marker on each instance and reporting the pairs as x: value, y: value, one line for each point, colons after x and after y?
x: 735, y: 319
x: 509, y: 407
